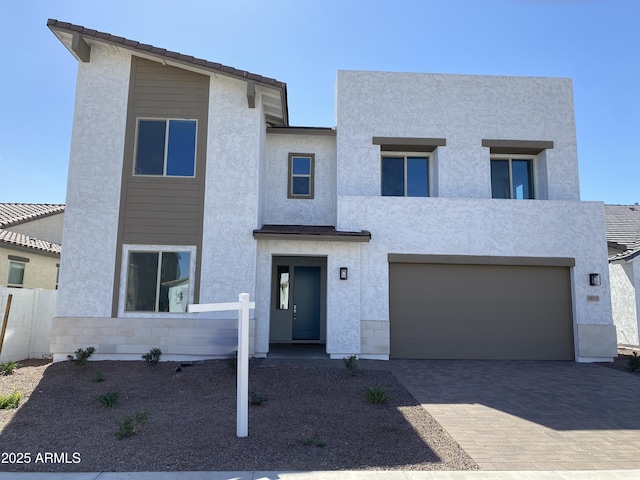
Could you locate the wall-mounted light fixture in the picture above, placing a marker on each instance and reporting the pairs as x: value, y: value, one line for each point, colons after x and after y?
x: 343, y: 273
x: 594, y: 279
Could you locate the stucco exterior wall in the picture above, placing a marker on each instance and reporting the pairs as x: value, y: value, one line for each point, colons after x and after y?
x: 625, y: 289
x: 47, y: 228
x: 93, y: 191
x: 321, y: 210
x: 232, y: 194
x: 463, y: 109
x: 39, y: 272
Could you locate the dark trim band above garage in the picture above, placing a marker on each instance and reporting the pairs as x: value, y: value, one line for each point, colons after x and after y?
x: 482, y: 260
x: 408, y: 144
x: 528, y: 147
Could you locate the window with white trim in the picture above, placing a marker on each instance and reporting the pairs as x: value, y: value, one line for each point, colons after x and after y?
x: 301, y: 175
x: 165, y: 147
x: 512, y: 177
x: 405, y: 175
x: 16, y: 274
x: 158, y: 281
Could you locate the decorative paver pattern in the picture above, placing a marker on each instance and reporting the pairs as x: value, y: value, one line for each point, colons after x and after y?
x: 529, y: 415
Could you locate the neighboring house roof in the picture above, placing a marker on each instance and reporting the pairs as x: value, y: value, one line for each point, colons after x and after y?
x: 75, y: 38
x: 12, y: 214
x: 623, y: 230
x: 16, y: 213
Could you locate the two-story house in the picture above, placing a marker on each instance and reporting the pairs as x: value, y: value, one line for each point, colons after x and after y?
x: 440, y: 218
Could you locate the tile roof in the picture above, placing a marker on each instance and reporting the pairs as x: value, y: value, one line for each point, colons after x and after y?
x: 171, y: 55
x: 12, y: 214
x: 623, y: 230
x: 20, y: 240
x: 16, y: 213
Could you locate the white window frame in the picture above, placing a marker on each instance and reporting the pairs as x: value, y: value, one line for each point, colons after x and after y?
x: 166, y: 147
x: 24, y: 271
x: 124, y: 271
x: 511, y: 157
x: 405, y: 155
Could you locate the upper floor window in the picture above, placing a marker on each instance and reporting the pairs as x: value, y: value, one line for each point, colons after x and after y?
x: 16, y: 274
x: 405, y: 176
x: 301, y: 173
x: 512, y: 178
x: 166, y: 147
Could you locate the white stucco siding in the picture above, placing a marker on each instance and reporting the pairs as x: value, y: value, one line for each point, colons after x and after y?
x: 625, y: 286
x: 93, y: 189
x: 481, y: 227
x: 343, y: 296
x: 464, y: 110
x: 232, y: 193
x: 321, y: 210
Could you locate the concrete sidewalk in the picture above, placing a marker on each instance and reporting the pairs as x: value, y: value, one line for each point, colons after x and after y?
x: 334, y: 475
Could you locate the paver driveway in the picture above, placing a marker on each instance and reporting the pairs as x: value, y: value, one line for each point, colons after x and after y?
x: 526, y: 415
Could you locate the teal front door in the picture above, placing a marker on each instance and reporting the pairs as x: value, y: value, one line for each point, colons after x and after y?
x: 306, y: 303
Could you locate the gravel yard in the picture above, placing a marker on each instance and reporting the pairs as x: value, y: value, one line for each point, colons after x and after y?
x: 313, y: 419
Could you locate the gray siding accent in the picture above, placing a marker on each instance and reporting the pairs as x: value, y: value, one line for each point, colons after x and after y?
x: 157, y: 210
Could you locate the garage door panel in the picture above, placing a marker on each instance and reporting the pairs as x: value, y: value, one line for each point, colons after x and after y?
x: 480, y: 311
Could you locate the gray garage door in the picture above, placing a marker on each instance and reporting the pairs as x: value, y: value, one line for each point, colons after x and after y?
x: 480, y: 312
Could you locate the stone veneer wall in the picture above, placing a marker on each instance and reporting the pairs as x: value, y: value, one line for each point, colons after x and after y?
x: 375, y: 339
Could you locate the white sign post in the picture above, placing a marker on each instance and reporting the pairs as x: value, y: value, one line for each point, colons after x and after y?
x: 243, y: 305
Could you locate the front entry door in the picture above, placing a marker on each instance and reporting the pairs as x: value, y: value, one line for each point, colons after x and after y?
x: 298, y: 301
x: 306, y: 303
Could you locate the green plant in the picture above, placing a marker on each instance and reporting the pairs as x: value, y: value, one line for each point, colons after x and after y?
x: 131, y: 423
x: 376, y: 395
x: 232, y: 363
x: 317, y: 441
x: 255, y: 399
x: 7, y: 368
x: 634, y: 362
x: 98, y: 377
x: 81, y: 356
x: 108, y: 399
x: 351, y: 364
x: 10, y: 400
x: 153, y: 357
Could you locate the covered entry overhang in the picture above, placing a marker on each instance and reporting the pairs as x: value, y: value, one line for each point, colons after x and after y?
x: 301, y: 296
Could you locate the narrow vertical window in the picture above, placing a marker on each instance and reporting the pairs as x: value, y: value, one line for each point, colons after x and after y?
x: 301, y: 175
x: 16, y: 274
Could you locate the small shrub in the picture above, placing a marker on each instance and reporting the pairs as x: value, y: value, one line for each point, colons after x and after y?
x: 130, y: 424
x: 10, y: 401
x: 98, y: 377
x: 634, y: 362
x: 153, y: 357
x: 376, y: 395
x: 351, y: 364
x: 81, y: 356
x: 255, y: 399
x: 7, y: 368
x: 108, y: 399
x: 232, y: 363
x: 317, y: 441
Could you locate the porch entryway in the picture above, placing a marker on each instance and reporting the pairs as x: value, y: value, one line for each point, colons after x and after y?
x: 298, y: 301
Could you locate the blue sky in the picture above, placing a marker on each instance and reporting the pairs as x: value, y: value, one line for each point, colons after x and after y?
x: 304, y: 43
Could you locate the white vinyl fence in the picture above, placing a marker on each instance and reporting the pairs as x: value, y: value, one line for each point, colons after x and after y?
x: 28, y: 333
